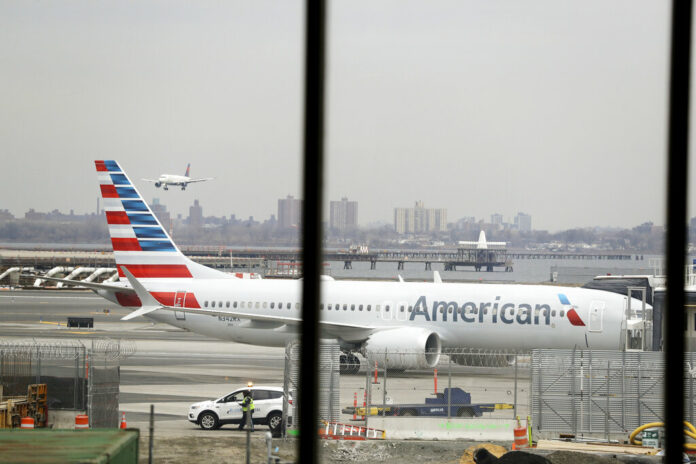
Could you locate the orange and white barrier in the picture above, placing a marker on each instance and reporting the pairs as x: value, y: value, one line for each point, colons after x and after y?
x: 123, y: 421
x: 81, y: 422
x: 520, y: 432
x: 337, y: 431
x: 26, y: 423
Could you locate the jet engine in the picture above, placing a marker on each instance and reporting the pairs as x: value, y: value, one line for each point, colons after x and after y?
x: 158, y: 184
x: 404, y: 348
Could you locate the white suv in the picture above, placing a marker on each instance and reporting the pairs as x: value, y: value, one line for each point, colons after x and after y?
x: 268, y: 409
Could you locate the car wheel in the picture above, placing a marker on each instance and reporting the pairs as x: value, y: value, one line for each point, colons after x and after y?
x: 208, y: 421
x: 275, y: 423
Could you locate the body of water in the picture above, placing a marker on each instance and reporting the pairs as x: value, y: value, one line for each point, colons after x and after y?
x: 570, y: 271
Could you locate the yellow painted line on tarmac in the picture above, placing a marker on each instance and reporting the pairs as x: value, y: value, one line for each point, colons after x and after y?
x: 52, y: 323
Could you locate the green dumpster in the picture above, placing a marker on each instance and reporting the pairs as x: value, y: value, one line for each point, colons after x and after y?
x: 69, y: 446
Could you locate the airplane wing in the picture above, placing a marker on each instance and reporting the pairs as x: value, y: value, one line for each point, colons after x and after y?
x: 345, y: 331
x: 150, y: 180
x: 198, y: 180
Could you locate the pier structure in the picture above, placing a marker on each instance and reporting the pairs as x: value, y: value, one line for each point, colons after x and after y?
x: 265, y: 261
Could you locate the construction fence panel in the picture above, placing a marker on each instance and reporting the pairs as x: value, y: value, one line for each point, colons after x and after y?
x: 601, y: 392
x: 329, y: 381
x: 104, y: 380
x: 58, y: 364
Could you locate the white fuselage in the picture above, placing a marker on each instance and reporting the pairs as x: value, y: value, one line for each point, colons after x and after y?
x: 171, y: 179
x: 463, y: 315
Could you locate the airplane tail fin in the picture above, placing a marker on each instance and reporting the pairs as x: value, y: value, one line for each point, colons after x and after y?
x: 188, y: 170
x: 139, y: 241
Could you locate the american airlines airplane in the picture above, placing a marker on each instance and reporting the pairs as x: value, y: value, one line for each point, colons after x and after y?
x: 181, y: 181
x: 422, y: 318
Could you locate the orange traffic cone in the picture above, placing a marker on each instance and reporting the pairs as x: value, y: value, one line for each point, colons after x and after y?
x: 123, y: 420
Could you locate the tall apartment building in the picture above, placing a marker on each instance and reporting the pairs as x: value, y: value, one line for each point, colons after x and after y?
x: 289, y: 212
x: 343, y: 215
x: 523, y: 222
x: 195, y: 215
x: 403, y: 220
x: 497, y: 219
x: 419, y: 219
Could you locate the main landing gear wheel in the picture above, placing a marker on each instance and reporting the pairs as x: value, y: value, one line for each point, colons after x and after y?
x: 350, y: 364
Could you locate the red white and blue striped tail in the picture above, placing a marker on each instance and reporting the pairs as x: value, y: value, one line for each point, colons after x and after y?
x: 139, y: 241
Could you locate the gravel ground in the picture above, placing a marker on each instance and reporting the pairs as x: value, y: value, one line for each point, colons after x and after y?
x: 233, y: 449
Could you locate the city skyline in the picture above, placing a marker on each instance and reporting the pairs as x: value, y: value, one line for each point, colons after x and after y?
x: 451, y: 102
x: 521, y: 221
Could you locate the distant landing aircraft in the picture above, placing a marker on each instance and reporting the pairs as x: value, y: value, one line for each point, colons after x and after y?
x: 165, y: 180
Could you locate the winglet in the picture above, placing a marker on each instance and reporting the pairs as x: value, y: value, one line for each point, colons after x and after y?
x: 436, y: 277
x: 401, y: 279
x: 148, y: 302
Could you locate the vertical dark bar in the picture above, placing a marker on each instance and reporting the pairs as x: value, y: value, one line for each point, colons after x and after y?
x: 151, y: 439
x: 676, y: 227
x: 311, y: 226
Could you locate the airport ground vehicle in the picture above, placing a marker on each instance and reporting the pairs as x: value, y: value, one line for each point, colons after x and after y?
x: 460, y: 405
x: 268, y: 409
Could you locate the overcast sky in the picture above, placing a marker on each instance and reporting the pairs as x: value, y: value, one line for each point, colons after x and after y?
x: 553, y: 108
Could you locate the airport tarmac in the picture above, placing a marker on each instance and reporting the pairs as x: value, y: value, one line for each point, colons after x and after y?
x: 172, y: 368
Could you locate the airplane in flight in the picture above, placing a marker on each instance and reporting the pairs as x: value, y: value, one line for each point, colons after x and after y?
x: 420, y: 320
x: 165, y: 180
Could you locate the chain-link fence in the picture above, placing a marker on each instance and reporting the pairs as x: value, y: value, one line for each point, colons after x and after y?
x: 602, y: 392
x: 104, y: 380
x: 78, y: 377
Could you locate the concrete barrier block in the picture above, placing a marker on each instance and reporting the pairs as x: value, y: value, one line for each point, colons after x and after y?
x: 429, y: 428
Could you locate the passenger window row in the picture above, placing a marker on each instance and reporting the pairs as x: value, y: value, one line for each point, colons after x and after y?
x: 345, y: 307
x: 248, y: 305
x: 274, y: 305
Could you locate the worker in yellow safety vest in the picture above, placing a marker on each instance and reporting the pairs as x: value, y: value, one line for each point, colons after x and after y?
x: 247, y: 411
